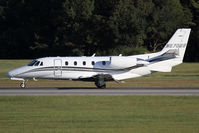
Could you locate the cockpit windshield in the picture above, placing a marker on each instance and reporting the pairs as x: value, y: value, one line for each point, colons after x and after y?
x: 32, y: 63
x: 35, y: 63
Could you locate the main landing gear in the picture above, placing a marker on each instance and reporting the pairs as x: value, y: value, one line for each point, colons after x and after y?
x: 102, y: 86
x: 99, y: 82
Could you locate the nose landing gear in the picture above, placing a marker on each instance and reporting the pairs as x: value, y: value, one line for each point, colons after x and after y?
x: 23, y: 85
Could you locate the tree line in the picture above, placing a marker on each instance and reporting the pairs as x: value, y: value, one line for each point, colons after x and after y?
x: 38, y: 28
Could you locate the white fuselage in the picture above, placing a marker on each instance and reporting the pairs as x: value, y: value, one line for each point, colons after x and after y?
x: 78, y: 68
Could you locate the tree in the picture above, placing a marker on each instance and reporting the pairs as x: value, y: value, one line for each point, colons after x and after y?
x: 124, y: 24
x: 35, y: 28
x: 167, y: 16
x: 192, y: 50
x: 77, y: 17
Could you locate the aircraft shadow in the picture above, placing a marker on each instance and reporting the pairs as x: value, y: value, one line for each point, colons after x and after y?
x: 73, y: 88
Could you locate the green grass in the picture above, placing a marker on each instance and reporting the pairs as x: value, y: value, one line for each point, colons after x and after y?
x: 184, y: 75
x: 99, y: 114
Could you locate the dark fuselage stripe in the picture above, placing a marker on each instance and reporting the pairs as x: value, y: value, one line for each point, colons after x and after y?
x: 56, y: 68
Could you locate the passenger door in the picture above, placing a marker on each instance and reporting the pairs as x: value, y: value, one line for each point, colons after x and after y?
x: 57, y: 67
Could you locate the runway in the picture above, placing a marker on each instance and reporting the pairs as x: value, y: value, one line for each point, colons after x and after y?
x: 69, y: 91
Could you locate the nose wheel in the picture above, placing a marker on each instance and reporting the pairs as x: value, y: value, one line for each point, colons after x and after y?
x: 23, y: 85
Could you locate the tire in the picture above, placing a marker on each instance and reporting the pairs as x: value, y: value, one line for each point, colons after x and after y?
x: 22, y: 85
x: 102, y: 87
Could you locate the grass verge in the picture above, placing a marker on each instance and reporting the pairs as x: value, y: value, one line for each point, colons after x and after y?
x: 76, y: 114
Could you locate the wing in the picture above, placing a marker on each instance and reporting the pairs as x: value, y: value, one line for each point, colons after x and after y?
x: 106, y: 77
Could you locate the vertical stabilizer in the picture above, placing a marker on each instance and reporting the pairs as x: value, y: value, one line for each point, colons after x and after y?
x: 173, y: 52
x: 178, y: 43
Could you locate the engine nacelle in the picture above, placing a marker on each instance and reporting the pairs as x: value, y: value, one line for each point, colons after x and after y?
x: 122, y: 62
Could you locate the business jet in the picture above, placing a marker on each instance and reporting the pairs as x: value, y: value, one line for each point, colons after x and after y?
x: 100, y: 69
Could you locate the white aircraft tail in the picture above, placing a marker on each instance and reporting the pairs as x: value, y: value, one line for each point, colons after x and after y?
x: 173, y: 52
x: 177, y: 44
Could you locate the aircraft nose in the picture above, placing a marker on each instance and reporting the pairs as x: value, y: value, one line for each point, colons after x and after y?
x: 15, y: 72
x: 10, y: 74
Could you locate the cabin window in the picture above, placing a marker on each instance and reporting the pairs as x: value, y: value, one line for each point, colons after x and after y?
x: 84, y: 63
x: 41, y: 64
x: 93, y: 63
x: 75, y: 63
x: 37, y: 63
x: 103, y: 62
x: 66, y: 63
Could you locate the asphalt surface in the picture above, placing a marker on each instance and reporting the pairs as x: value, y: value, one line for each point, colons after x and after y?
x: 71, y: 91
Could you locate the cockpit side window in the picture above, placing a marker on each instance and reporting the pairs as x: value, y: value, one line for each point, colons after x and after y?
x: 37, y: 63
x: 32, y: 63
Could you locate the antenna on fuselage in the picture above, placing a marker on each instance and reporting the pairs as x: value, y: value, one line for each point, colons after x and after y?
x: 93, y: 55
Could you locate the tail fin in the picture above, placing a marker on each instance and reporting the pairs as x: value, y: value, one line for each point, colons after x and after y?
x: 178, y: 43
x: 173, y: 52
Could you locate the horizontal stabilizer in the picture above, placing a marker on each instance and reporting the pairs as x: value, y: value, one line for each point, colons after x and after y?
x: 161, y: 69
